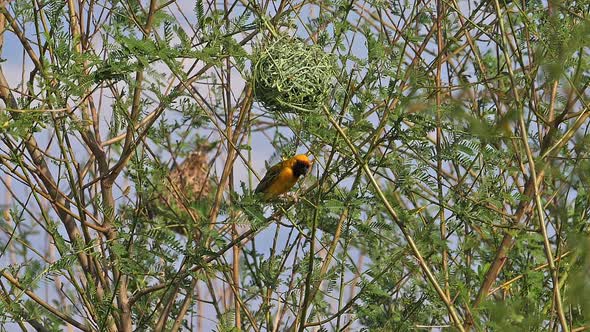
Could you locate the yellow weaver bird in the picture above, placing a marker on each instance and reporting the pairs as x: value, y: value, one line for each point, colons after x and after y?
x: 282, y: 177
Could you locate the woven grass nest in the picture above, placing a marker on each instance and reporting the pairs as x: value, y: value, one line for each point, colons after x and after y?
x: 291, y: 76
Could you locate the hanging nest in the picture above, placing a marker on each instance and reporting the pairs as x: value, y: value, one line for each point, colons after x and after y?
x: 185, y: 189
x: 291, y: 76
x: 190, y: 179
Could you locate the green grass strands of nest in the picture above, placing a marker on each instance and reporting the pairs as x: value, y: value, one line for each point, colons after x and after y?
x: 291, y: 76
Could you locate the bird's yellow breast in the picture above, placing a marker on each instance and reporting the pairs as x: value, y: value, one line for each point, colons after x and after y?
x: 284, y: 181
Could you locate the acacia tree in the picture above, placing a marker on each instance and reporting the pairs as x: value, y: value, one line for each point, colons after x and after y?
x: 450, y: 179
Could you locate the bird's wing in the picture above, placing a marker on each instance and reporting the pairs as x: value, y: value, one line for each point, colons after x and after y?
x: 268, y: 179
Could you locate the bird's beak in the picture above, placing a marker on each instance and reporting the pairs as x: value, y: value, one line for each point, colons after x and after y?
x: 306, y: 169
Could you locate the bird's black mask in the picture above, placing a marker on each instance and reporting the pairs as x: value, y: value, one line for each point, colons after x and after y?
x: 300, y: 168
